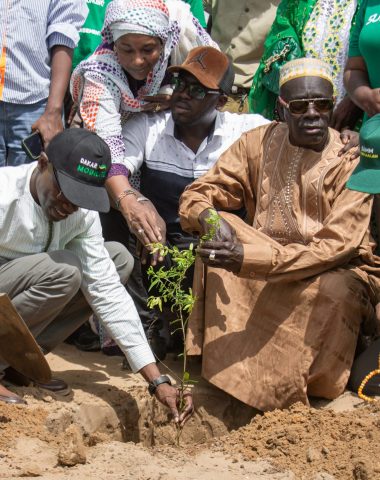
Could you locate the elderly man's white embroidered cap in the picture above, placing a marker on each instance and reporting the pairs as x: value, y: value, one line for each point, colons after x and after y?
x: 305, y: 67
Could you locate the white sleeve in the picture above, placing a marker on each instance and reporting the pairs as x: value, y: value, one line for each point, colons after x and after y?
x: 192, y: 34
x: 135, y: 134
x: 107, y: 297
x: 252, y: 120
x: 65, y: 18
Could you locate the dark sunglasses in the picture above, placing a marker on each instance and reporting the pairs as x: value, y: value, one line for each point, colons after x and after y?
x: 300, y: 106
x: 196, y: 91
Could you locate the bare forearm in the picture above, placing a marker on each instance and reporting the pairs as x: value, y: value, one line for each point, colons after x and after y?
x: 150, y: 372
x: 358, y: 87
x: 50, y: 122
x: 61, y: 62
x: 115, y: 186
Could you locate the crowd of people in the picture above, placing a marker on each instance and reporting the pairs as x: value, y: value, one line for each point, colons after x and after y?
x: 126, y: 123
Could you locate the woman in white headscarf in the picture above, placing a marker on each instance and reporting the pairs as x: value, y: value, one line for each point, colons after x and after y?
x: 127, y: 74
x: 141, y: 38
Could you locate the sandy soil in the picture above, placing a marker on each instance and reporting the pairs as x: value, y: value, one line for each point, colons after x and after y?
x: 109, y: 428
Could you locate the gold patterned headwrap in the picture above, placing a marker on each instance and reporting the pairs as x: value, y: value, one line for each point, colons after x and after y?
x: 305, y: 67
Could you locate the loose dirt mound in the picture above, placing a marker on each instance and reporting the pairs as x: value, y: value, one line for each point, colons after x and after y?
x: 109, y: 428
x: 16, y: 421
x: 306, y: 441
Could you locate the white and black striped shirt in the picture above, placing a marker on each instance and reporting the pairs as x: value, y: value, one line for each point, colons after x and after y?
x: 29, y: 29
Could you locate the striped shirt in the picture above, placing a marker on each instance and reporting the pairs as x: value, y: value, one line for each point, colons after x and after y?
x: 168, y: 165
x: 24, y: 230
x: 150, y: 138
x: 28, y: 30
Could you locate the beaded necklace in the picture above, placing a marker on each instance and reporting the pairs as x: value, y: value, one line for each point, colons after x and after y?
x: 364, y: 382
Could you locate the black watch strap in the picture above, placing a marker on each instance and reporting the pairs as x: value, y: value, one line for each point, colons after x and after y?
x: 152, y: 386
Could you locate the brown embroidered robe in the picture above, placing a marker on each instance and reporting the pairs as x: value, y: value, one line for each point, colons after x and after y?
x: 286, y: 326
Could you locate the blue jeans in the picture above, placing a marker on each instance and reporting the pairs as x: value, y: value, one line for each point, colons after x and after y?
x: 15, y: 124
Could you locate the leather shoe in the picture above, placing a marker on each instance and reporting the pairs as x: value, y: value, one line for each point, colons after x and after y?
x: 55, y: 385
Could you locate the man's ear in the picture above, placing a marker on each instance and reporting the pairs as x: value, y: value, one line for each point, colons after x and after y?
x: 280, y: 111
x: 222, y: 100
x: 43, y: 162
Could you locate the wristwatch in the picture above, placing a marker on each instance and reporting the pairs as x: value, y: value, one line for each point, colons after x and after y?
x: 152, y: 386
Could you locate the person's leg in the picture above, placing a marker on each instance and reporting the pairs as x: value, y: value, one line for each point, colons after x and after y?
x: 20, y: 119
x: 78, y: 311
x: 375, y: 222
x: 8, y: 396
x: 40, y: 286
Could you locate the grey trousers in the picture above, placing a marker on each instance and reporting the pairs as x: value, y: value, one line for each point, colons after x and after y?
x: 45, y: 290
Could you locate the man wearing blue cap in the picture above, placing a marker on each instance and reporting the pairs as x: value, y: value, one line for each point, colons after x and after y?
x: 54, y: 264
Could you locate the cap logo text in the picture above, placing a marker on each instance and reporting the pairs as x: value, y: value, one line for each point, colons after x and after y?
x: 88, y: 163
x: 368, y: 152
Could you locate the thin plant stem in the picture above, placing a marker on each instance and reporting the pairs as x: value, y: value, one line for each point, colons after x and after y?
x: 169, y: 286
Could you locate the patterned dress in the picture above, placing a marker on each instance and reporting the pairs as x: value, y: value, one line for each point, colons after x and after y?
x: 326, y: 36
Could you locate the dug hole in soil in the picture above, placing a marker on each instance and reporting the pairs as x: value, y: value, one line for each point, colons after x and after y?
x: 110, y: 428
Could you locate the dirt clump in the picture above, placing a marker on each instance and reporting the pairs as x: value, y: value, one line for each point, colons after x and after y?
x: 309, y: 441
x: 72, y: 450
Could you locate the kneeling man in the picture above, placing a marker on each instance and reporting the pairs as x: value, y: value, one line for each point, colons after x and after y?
x: 284, y: 293
x: 54, y: 264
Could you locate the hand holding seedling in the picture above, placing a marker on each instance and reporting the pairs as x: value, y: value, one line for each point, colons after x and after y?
x: 219, y: 246
x: 181, y: 407
x: 178, y: 399
x: 146, y: 223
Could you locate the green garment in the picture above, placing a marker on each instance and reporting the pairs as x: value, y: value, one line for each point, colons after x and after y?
x: 284, y: 37
x: 90, y: 36
x: 365, y: 39
x: 196, y: 7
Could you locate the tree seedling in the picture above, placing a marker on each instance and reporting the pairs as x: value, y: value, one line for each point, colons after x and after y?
x: 169, y: 284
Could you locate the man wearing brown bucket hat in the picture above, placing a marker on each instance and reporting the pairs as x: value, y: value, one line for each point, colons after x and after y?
x: 173, y: 148
x: 54, y: 264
